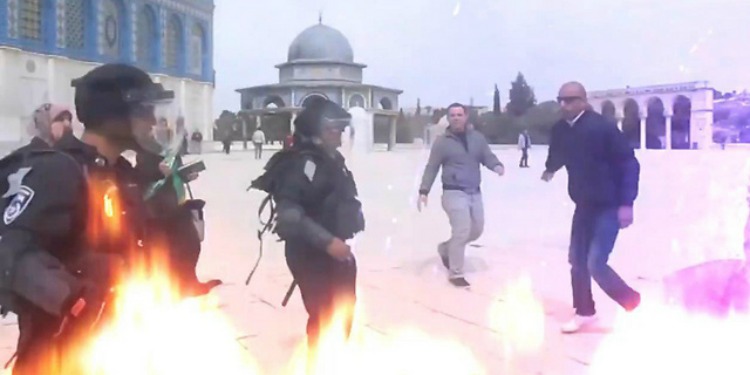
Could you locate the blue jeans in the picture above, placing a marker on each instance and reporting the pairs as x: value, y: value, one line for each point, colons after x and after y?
x: 592, y: 239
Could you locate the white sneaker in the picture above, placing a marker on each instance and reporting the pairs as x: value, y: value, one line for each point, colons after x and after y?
x: 577, y: 323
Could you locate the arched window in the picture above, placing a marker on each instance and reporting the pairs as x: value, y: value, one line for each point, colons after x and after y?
x: 147, y: 34
x: 75, y: 24
x: 113, y: 27
x: 30, y: 19
x: 173, y: 43
x: 357, y: 100
x: 197, y: 49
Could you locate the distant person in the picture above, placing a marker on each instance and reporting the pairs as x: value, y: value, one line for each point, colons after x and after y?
x: 524, y: 144
x: 49, y: 123
x: 259, y: 138
x: 196, y: 140
x: 163, y: 133
x: 288, y: 141
x: 182, y: 133
x: 603, y: 183
x: 227, y: 142
x: 459, y: 151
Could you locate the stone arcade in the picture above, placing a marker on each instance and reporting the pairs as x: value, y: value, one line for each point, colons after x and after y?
x: 675, y: 116
x: 320, y: 63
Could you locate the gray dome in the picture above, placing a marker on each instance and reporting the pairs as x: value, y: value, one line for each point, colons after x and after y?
x: 321, y: 42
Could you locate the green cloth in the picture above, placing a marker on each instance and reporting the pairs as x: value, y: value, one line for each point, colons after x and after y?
x: 174, y: 164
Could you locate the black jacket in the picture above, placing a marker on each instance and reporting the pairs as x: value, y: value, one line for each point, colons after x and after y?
x: 317, y: 201
x: 76, y: 210
x: 602, y: 168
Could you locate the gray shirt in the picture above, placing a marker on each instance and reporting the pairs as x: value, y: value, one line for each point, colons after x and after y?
x: 460, y: 161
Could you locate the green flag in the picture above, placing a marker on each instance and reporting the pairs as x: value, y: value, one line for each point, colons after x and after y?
x: 174, y: 163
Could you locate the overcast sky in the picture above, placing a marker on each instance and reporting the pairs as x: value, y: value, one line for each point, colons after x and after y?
x: 441, y: 52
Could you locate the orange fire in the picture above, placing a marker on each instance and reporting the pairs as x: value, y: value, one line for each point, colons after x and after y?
x: 153, y: 331
x: 149, y: 328
x: 403, y: 351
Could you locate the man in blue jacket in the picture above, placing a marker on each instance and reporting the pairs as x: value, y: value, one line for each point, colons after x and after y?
x: 603, y: 183
x: 460, y: 152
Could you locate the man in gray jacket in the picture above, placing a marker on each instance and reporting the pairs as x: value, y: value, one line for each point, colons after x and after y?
x: 460, y: 151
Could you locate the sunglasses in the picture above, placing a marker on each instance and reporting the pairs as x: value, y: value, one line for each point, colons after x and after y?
x: 568, y: 99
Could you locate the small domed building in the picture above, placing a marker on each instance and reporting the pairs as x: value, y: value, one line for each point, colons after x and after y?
x: 320, y: 63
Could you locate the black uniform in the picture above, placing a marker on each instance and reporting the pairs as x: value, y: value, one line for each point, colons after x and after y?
x: 317, y: 201
x: 73, y: 222
x: 62, y: 213
x: 172, y: 224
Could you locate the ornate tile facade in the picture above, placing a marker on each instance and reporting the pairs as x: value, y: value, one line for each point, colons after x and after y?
x: 13, y: 18
x: 61, y: 23
x: 107, y: 30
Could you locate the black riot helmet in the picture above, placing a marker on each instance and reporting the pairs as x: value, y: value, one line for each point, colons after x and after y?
x: 109, y: 98
x: 320, y: 112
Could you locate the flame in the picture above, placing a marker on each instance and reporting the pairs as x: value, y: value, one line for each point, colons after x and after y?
x: 518, y: 316
x: 109, y: 209
x: 662, y: 338
x: 154, y: 331
x: 146, y: 327
x: 404, y: 351
x: 105, y: 222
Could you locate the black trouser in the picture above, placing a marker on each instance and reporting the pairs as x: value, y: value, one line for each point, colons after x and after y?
x: 37, y: 350
x: 592, y: 239
x: 524, y: 157
x: 227, y: 147
x: 184, y: 245
x: 327, y: 286
x: 176, y: 235
x: 40, y: 352
x: 258, y: 150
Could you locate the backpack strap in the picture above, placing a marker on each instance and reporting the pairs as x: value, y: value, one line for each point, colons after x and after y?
x: 268, y: 201
x: 266, y: 225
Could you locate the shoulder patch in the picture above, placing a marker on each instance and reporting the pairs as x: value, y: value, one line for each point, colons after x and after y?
x: 15, y: 180
x: 18, y: 204
x: 309, y: 169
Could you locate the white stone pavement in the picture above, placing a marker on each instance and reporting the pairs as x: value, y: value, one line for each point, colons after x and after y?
x: 691, y: 208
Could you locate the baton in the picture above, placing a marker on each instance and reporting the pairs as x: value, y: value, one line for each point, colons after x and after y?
x: 289, y: 293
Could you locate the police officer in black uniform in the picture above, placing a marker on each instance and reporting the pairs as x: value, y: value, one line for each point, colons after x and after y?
x: 71, y: 220
x: 171, y: 221
x: 318, y: 211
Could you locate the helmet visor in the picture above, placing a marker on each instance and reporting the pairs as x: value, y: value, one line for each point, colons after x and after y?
x: 149, y: 135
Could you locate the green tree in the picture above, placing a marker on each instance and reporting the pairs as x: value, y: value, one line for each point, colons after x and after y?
x: 520, y: 97
x: 404, y: 133
x: 224, y: 125
x: 496, y: 102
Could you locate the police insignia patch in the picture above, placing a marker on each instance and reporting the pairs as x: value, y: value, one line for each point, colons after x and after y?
x: 15, y: 180
x: 310, y: 168
x: 18, y: 204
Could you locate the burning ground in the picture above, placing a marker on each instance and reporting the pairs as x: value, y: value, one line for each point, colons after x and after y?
x: 410, y: 317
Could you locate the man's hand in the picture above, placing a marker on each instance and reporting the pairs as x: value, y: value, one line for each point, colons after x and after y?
x: 500, y: 170
x: 625, y: 216
x: 192, y: 177
x: 165, y: 169
x: 421, y: 202
x: 339, y: 250
x: 547, y: 176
